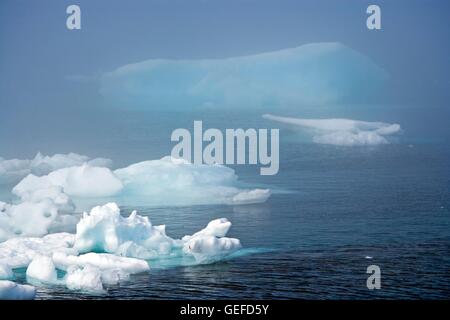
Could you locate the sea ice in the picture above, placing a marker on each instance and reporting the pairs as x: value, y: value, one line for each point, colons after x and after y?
x: 12, y: 291
x: 42, y: 269
x: 216, y: 228
x: 19, y: 252
x: 15, y: 169
x: 81, y: 181
x: 6, y: 272
x: 27, y: 219
x: 342, y: 132
x: 167, y: 181
x: 210, y: 244
x: 105, y: 230
x: 317, y: 73
x: 87, y: 278
x: 107, y: 248
x: 102, y: 261
x: 180, y: 182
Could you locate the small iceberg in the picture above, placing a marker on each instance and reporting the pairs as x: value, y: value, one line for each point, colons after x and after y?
x: 105, y: 250
x: 342, y: 132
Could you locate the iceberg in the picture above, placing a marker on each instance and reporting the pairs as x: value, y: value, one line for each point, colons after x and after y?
x: 180, y: 182
x: 102, y: 261
x: 20, y: 251
x: 316, y: 73
x: 342, y: 132
x: 42, y: 270
x: 81, y: 181
x: 107, y: 248
x: 105, y: 230
x: 12, y: 291
x: 210, y: 243
x: 13, y: 170
x: 27, y: 219
x: 6, y: 272
x: 47, y: 201
x: 87, y: 279
x: 88, y: 272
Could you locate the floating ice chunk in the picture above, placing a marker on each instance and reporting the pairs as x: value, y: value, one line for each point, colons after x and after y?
x: 27, y: 219
x: 251, y: 196
x: 81, y: 181
x: 12, y: 291
x: 15, y: 169
x: 44, y: 164
x: 41, y: 193
x: 38, y: 210
x: 114, y: 276
x: 102, y: 261
x: 87, y: 278
x: 209, y: 244
x: 19, y: 252
x: 44, y: 198
x: 6, y: 272
x: 42, y: 269
x: 132, y: 249
x: 345, y: 138
x: 207, y: 249
x: 342, y: 132
x: 88, y: 272
x: 179, y: 182
x: 105, y: 230
x: 317, y: 73
x: 168, y: 181
x: 216, y: 228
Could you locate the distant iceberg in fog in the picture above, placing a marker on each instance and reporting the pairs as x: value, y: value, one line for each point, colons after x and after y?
x: 315, y: 73
x: 342, y: 132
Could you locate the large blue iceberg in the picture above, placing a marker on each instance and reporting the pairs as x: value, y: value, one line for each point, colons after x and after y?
x: 313, y: 74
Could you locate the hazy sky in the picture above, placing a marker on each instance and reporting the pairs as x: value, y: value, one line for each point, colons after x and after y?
x: 40, y: 58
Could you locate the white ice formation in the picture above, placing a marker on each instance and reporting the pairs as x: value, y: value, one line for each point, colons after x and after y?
x: 342, y: 132
x: 106, y: 249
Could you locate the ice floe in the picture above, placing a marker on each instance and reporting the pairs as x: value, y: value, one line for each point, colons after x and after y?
x: 44, y: 202
x: 6, y: 272
x: 107, y: 248
x: 12, y: 291
x: 81, y: 181
x: 177, y: 181
x: 19, y: 252
x: 42, y: 269
x: 342, y: 132
x: 105, y: 230
x: 13, y: 170
x: 88, y: 279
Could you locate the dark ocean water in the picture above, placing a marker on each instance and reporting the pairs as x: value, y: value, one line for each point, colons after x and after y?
x: 334, y: 212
